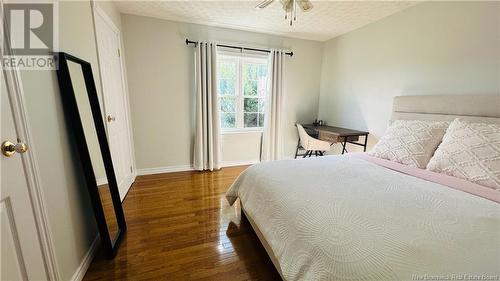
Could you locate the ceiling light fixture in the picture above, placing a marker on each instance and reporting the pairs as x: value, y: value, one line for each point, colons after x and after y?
x: 290, y: 7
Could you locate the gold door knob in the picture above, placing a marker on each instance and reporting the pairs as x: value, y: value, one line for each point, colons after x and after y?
x: 9, y: 148
x: 111, y: 118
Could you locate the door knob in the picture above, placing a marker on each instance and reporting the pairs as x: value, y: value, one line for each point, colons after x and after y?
x: 9, y: 148
x: 111, y: 118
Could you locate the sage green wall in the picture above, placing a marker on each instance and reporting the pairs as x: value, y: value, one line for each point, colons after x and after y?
x: 431, y: 48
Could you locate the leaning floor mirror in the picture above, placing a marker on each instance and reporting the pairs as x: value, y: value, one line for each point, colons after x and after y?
x: 83, y: 111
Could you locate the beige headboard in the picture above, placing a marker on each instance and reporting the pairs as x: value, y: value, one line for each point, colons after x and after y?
x: 478, y: 108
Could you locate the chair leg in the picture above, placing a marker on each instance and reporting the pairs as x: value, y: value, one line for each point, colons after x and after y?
x: 321, y: 153
x: 316, y: 153
x: 297, y: 150
x: 305, y: 154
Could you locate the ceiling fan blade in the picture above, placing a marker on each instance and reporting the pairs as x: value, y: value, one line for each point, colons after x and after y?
x: 305, y: 5
x: 264, y: 4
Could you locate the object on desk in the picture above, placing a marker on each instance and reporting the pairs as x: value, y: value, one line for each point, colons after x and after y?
x: 315, y: 122
x: 310, y: 144
x: 320, y: 122
x: 345, y: 136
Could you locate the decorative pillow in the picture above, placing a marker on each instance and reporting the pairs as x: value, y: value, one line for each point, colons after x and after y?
x: 410, y: 142
x: 470, y: 151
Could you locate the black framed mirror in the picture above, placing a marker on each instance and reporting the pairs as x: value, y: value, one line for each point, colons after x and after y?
x: 83, y: 111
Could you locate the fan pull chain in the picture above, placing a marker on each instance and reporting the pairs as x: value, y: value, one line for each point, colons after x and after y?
x: 294, y: 10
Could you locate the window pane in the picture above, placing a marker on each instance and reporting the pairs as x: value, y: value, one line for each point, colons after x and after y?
x: 250, y: 120
x: 262, y: 71
x: 261, y: 105
x: 262, y: 86
x: 227, y: 70
x: 250, y: 71
x: 250, y: 88
x: 242, y: 81
x: 227, y: 104
x: 228, y: 120
x: 227, y: 87
x: 261, y: 120
x: 251, y: 105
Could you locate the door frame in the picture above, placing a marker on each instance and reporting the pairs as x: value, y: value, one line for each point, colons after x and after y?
x: 99, y: 12
x: 29, y: 161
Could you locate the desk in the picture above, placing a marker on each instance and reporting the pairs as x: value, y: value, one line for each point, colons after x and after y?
x: 344, y: 136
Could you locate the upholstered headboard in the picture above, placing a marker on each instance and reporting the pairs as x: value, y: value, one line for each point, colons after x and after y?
x: 478, y: 108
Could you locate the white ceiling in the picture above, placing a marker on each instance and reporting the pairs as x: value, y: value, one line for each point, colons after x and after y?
x: 326, y: 20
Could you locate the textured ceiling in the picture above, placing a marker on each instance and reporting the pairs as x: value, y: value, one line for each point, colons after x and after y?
x: 326, y: 20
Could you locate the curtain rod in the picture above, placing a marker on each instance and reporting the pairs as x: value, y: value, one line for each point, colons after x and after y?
x: 238, y: 47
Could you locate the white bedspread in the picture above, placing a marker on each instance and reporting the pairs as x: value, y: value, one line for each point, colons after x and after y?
x: 343, y: 218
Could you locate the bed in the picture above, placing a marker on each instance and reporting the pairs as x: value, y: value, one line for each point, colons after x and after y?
x: 354, y: 217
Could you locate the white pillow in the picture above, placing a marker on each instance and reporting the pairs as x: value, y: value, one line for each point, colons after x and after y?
x: 410, y: 142
x: 470, y: 151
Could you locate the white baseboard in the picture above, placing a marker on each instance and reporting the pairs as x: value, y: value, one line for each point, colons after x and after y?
x: 162, y: 170
x: 128, y: 184
x: 183, y: 168
x: 87, y: 260
x: 102, y: 181
x: 239, y: 163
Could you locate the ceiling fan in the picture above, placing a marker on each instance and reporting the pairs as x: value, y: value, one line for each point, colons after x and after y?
x: 290, y: 7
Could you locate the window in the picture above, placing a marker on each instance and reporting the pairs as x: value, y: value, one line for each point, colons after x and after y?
x: 242, y: 88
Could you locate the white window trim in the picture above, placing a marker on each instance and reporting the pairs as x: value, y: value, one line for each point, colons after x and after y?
x: 239, y: 112
x: 232, y: 131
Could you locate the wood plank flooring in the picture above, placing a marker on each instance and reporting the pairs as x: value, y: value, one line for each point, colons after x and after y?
x: 180, y: 227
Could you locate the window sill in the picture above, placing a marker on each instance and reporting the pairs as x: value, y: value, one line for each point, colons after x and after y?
x: 241, y: 131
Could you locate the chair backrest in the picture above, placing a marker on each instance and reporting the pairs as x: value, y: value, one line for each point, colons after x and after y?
x: 303, y: 136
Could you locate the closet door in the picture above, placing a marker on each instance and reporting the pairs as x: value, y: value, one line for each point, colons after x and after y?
x: 115, y: 100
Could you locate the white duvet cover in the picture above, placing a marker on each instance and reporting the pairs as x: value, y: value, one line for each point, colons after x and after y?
x: 344, y: 218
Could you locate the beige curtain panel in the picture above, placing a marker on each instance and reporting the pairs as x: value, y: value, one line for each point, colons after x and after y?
x: 207, y: 155
x: 272, y: 144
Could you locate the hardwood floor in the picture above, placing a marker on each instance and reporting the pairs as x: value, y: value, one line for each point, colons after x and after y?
x: 180, y: 227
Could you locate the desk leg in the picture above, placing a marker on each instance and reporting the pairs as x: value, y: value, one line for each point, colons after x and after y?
x: 366, y: 142
x: 343, y: 145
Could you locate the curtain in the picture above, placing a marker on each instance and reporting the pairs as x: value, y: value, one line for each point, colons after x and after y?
x: 272, y: 137
x: 207, y: 154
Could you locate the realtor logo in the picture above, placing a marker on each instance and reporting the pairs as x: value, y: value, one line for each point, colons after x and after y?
x: 31, y: 29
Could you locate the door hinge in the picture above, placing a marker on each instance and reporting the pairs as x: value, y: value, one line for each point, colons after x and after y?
x: 119, y: 53
x: 130, y: 169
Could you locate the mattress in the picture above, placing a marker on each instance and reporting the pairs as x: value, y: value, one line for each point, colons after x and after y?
x: 346, y: 218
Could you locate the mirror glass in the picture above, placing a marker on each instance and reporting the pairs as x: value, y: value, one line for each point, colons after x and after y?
x: 85, y: 111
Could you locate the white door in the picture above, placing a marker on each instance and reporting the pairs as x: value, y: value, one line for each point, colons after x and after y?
x: 115, y: 102
x: 21, y: 254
